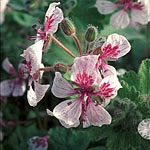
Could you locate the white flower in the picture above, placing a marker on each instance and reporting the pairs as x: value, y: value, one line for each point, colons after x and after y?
x: 144, y: 129
x: 140, y: 12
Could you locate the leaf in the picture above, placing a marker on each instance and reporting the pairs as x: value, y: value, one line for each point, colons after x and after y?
x: 23, y: 19
x: 17, y: 4
x: 68, y: 139
x: 128, y: 91
x: 131, y: 78
x: 144, y: 77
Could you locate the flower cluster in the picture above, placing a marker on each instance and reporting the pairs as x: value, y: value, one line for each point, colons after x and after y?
x: 138, y: 10
x: 92, y: 84
x: 33, y: 54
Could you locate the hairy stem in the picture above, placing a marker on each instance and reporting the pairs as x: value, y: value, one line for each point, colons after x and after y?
x: 77, y: 43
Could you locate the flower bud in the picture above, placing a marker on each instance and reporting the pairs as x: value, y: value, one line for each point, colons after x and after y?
x: 68, y: 27
x: 91, y: 34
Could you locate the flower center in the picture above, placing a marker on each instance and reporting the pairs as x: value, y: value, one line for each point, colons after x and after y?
x: 84, y: 80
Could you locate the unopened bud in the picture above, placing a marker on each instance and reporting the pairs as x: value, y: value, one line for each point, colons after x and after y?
x: 91, y: 34
x: 68, y: 27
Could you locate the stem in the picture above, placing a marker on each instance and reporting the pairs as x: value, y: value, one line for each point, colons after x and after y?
x: 87, y: 47
x: 77, y: 43
x: 47, y: 69
x: 62, y: 46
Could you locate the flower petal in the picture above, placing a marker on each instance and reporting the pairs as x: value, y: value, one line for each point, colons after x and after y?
x: 115, y: 47
x: 69, y: 111
x: 19, y: 89
x: 56, y: 19
x: 108, y: 71
x: 105, y: 7
x: 109, y: 86
x: 2, y: 9
x: 34, y: 96
x: 61, y: 88
x: 40, y: 90
x: 120, y: 19
x: 6, y: 87
x: 85, y: 65
x: 96, y: 115
x: 140, y: 16
x: 51, y: 8
x: 31, y: 96
x: 33, y: 56
x: 8, y: 67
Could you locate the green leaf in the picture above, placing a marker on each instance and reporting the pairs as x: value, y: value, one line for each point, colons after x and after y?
x: 144, y: 77
x: 131, y: 78
x: 23, y: 19
x: 128, y: 91
x: 17, y: 4
x: 68, y: 139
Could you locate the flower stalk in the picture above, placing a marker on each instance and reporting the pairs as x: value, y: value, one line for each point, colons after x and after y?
x: 62, y: 46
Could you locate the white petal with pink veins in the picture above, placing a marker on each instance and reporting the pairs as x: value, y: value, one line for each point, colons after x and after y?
x: 51, y: 8
x: 33, y: 54
x: 31, y: 97
x: 85, y: 64
x: 61, y: 88
x: 19, y: 89
x: 96, y: 115
x: 105, y: 7
x: 115, y: 47
x: 108, y: 71
x: 6, y: 87
x: 36, y: 95
x: 140, y: 16
x: 120, y: 19
x: 57, y: 18
x: 70, y: 126
x: 40, y: 90
x: 109, y: 86
x: 8, y: 67
x: 69, y: 111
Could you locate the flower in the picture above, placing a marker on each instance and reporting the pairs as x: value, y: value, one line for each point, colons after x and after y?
x: 53, y: 17
x: 33, y: 56
x: 138, y: 10
x: 93, y: 91
x: 113, y: 48
x: 38, y: 143
x: 144, y: 128
x: 2, y: 9
x: 15, y: 86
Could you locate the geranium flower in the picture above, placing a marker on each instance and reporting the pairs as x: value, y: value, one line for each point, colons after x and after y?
x: 92, y: 92
x: 115, y: 47
x: 121, y: 19
x: 53, y: 17
x: 38, y: 143
x: 15, y: 86
x: 33, y: 56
